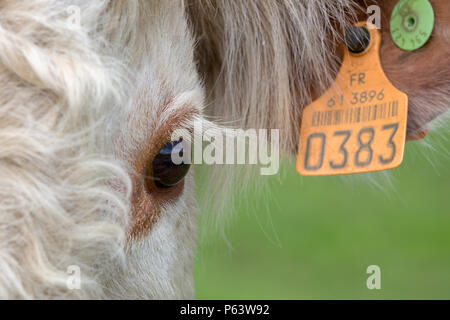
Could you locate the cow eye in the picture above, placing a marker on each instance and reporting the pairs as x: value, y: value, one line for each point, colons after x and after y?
x: 165, y: 173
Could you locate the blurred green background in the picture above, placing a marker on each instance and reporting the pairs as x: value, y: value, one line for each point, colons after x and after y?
x: 314, y: 237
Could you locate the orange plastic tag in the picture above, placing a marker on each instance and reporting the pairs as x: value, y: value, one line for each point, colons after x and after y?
x: 357, y: 125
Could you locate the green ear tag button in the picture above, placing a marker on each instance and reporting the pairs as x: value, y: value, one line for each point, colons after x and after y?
x: 412, y: 23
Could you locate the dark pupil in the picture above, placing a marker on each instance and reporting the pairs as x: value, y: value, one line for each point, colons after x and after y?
x: 166, y: 173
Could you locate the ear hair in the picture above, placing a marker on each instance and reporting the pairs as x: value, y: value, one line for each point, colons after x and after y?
x: 261, y: 59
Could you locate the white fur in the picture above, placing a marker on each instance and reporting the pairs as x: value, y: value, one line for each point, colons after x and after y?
x: 71, y: 100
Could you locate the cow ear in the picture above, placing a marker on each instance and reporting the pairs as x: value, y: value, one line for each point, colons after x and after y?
x: 423, y: 74
x: 262, y: 62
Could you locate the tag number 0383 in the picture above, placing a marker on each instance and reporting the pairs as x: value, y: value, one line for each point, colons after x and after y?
x: 362, y: 157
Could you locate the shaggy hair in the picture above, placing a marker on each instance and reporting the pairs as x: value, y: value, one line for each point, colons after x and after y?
x: 57, y: 204
x: 259, y: 54
x: 85, y: 106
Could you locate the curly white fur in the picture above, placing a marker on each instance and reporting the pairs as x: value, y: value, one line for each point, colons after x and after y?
x: 73, y: 97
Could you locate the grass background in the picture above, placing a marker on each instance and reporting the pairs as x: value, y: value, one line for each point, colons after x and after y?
x: 314, y: 237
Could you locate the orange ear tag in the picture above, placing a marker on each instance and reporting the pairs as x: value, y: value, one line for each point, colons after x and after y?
x: 357, y: 125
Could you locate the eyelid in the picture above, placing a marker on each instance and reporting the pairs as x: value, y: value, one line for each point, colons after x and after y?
x: 162, y: 134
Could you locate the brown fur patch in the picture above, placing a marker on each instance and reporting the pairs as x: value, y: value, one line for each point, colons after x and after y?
x: 423, y: 73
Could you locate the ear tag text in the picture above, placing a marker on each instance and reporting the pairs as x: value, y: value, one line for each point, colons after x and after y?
x: 359, y: 123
